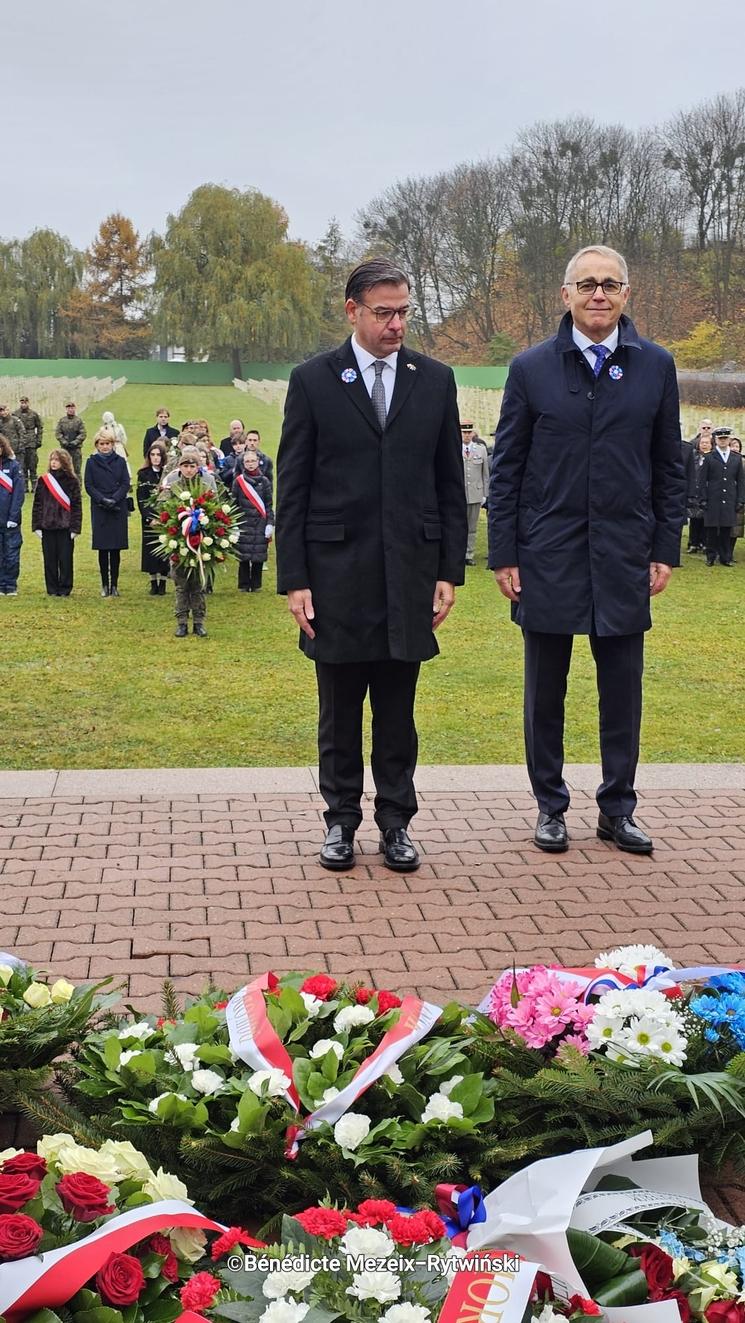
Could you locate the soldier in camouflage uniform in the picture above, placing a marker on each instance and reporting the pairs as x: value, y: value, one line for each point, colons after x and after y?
x: 70, y: 433
x: 33, y: 428
x: 11, y: 428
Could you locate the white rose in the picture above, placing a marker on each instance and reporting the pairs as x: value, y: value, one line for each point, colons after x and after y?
x: 367, y: 1241
x: 130, y: 1162
x: 207, y: 555
x: 62, y: 991
x: 351, y: 1016
x: 184, y: 496
x: 224, y: 543
x: 226, y: 509
x: 75, y: 1157
x: 208, y: 541
x: 187, y: 1244
x: 440, y: 1108
x: 277, y: 1284
x: 163, y: 1185
x: 8, y: 1153
x: 140, y: 1030
x: 153, y: 1104
x: 382, y: 1286
x: 312, y: 1004
x: 351, y: 1129
x: 395, y: 1075
x: 49, y: 1146
x: 325, y: 1045
x: 207, y: 1081
x: 269, y: 1083
x: 406, y: 1314
x: 37, y: 995
x: 329, y: 1095
x: 6, y: 974
x: 448, y: 1085
x: 126, y: 1057
x: 284, y: 1311
x: 186, y: 1054
x: 233, y: 537
x: 172, y: 543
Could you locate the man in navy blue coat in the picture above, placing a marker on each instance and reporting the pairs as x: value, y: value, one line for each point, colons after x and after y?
x: 586, y: 505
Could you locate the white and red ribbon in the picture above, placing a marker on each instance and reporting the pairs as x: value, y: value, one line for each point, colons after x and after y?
x: 56, y: 490
x: 495, y: 1293
x: 251, y: 495
x: 6, y: 481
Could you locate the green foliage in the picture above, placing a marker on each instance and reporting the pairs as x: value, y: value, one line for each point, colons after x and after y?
x: 502, y: 348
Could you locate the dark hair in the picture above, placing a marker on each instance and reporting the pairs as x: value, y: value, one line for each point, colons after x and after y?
x: 161, y: 448
x: 379, y: 270
x: 6, y: 449
x: 252, y: 431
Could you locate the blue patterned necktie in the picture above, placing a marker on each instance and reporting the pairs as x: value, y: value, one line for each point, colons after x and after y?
x: 378, y: 393
x: 601, y: 352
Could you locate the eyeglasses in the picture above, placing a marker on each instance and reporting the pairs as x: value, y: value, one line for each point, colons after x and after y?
x: 589, y: 286
x: 384, y: 315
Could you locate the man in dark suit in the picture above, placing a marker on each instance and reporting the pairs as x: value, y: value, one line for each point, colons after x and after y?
x: 586, y: 506
x: 721, y: 496
x: 371, y: 538
x: 162, y: 431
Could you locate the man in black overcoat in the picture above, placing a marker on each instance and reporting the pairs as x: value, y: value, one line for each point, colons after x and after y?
x: 162, y: 431
x: 586, y: 505
x: 371, y: 541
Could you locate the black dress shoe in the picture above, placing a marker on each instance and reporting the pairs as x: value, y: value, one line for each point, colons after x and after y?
x: 337, y: 851
x: 551, y: 833
x: 199, y: 630
x: 625, y: 833
x: 398, y: 851
x: 182, y: 629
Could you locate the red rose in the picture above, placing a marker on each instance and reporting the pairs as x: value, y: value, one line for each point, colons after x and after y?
x: 164, y: 516
x: 417, y: 1229
x: 321, y: 986
x: 371, y: 1212
x: 200, y: 1291
x: 121, y: 1279
x: 656, y: 1265
x: 84, y: 1196
x: 323, y: 1222
x: 725, y: 1311
x: 19, y: 1236
x: 386, y: 1001
x: 161, y: 1245
x: 363, y: 995
x: 16, y: 1189
x: 585, y: 1306
x: 28, y: 1164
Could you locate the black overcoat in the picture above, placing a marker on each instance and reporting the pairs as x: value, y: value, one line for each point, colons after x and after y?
x: 148, y: 482
x: 107, y: 478
x: 252, y: 544
x: 370, y: 520
x: 587, y: 483
x: 721, y: 489
x: 153, y: 434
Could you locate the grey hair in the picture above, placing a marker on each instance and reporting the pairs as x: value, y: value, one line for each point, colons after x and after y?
x: 378, y: 271
x: 602, y: 251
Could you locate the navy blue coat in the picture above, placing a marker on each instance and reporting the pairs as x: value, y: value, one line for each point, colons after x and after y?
x: 11, y: 502
x: 106, y: 479
x: 587, y: 483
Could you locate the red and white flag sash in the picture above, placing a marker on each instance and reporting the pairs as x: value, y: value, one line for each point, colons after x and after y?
x: 495, y: 1292
x: 56, y: 490
x: 45, y: 1281
x: 251, y: 495
x: 255, y: 1041
x: 6, y: 481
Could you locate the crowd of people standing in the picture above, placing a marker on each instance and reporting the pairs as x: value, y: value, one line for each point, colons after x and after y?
x: 716, y: 492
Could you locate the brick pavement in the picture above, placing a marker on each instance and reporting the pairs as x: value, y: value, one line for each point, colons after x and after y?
x: 199, y: 886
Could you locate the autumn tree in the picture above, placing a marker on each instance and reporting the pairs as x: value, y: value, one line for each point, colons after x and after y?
x: 107, y: 313
x: 37, y: 276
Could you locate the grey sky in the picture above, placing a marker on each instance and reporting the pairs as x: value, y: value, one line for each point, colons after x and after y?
x: 320, y: 103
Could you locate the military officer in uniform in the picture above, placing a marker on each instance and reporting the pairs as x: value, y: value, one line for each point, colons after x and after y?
x: 11, y: 428
x: 70, y: 433
x: 33, y: 429
x: 721, y: 495
x: 475, y: 476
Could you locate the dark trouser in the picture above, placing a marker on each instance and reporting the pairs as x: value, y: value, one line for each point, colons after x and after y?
x: 619, y: 664
x: 341, y: 694
x: 189, y: 597
x: 28, y: 458
x: 249, y: 574
x: 696, y: 532
x: 76, y: 455
x: 11, y: 540
x: 57, y: 547
x: 718, y: 544
x: 108, y: 564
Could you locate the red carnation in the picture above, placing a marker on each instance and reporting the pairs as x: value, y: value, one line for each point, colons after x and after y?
x: 161, y: 1245
x: 371, y: 1212
x: 19, y: 1236
x: 16, y: 1189
x: 416, y: 1229
x: 321, y: 986
x: 323, y: 1222
x: 161, y: 1021
x: 26, y: 1164
x: 121, y: 1280
x: 363, y: 995
x: 233, y: 1236
x: 585, y: 1306
x: 724, y: 1311
x: 656, y: 1265
x: 84, y: 1196
x: 387, y: 1001
x: 220, y: 1005
x: 200, y: 1291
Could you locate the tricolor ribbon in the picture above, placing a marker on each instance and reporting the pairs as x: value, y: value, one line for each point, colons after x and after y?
x: 56, y: 490
x: 6, y: 481
x: 251, y: 495
x: 254, y: 1040
x: 657, y: 978
x: 468, y: 1203
x: 192, y: 533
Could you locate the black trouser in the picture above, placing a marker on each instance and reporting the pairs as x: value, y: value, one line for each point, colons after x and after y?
x: 57, y: 548
x: 341, y: 695
x: 696, y: 532
x: 718, y: 544
x: 619, y: 664
x: 249, y: 574
x: 108, y: 564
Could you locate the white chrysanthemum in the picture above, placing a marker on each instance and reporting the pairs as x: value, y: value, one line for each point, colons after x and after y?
x: 164, y: 1185
x: 325, y: 1045
x: 277, y: 1284
x: 269, y: 1083
x: 447, y: 1086
x: 549, y: 1315
x: 638, y: 1003
x: 395, y: 1075
x: 406, y: 1313
x: 351, y: 1129
x: 284, y: 1311
x: 351, y: 1016
x: 368, y: 1242
x: 131, y: 1164
x: 440, y: 1108
x: 627, y: 959
x: 139, y: 1030
x: 207, y: 1081
x: 187, y: 1244
x: 670, y: 1047
x: 603, y: 1029
x: 383, y: 1286
x: 312, y: 1004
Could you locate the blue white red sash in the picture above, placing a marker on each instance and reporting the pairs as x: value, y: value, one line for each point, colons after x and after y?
x: 56, y: 490
x: 251, y: 495
x: 6, y: 481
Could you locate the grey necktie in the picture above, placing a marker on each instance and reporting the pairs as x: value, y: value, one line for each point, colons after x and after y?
x: 378, y: 393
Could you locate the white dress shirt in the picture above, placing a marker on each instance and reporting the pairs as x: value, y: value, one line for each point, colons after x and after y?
x: 365, y: 362
x: 583, y: 342
x: 723, y: 454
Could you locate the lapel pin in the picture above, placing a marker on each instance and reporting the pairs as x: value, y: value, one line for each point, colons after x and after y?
x: 615, y: 372
x: 348, y: 376
x: 411, y: 367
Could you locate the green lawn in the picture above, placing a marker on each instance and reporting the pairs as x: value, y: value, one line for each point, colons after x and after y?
x: 103, y: 683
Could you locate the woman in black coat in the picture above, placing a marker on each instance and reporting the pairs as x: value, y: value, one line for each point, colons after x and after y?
x: 252, y: 494
x: 149, y: 478
x: 107, y: 484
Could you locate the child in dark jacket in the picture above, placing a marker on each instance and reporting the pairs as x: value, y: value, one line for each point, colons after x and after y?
x: 12, y: 494
x: 252, y: 494
x: 56, y: 517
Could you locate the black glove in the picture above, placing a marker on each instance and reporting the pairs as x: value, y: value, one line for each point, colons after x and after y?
x: 108, y: 503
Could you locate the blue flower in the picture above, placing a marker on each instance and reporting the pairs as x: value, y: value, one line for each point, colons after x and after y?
x: 711, y: 1035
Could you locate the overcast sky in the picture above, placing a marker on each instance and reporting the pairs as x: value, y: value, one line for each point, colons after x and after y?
x: 128, y: 105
